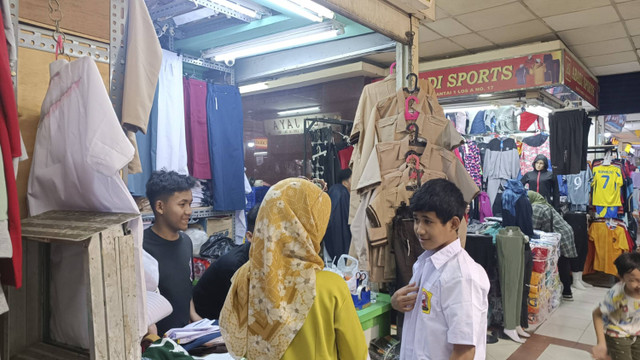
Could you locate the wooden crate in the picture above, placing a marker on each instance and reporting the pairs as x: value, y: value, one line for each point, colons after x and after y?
x: 111, y: 298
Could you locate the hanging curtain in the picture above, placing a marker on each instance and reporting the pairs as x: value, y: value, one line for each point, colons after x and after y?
x: 225, y: 123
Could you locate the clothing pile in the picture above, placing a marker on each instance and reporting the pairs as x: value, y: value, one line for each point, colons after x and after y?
x: 201, y: 194
x: 545, y: 291
x: 399, y: 147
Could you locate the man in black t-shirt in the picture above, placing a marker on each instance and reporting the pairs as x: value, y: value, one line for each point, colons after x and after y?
x: 212, y: 288
x: 170, y: 196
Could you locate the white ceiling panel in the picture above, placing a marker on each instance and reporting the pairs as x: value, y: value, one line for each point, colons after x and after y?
x: 441, y: 13
x: 622, y: 1
x: 440, y: 48
x: 630, y: 10
x: 516, y: 32
x: 633, y: 26
x: 616, y: 69
x: 586, y: 35
x: 578, y: 19
x: 610, y: 59
x: 544, y: 8
x: 457, y: 7
x: 497, y: 16
x: 636, y: 41
x: 602, y: 47
x: 448, y: 27
x: 472, y: 41
x: 427, y: 34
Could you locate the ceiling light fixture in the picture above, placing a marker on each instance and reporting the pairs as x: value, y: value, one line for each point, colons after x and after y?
x: 316, y: 8
x: 299, y: 111
x: 236, y: 7
x: 253, y: 87
x: 485, y: 95
x: 251, y: 144
x: 284, y: 40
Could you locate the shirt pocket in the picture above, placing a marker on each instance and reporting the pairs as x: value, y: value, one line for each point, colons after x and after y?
x: 386, y: 128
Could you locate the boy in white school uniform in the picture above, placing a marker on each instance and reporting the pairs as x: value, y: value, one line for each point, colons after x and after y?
x: 445, y: 304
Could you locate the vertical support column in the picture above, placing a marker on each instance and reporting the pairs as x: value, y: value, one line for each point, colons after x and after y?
x: 13, y: 9
x: 117, y: 52
x: 407, y: 56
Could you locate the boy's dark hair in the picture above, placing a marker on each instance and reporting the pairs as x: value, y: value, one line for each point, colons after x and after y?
x: 162, y: 184
x: 252, y: 215
x: 343, y: 175
x: 627, y: 262
x: 440, y: 196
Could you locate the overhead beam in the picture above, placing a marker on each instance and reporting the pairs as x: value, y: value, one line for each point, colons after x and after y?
x: 374, y: 14
x: 270, y: 65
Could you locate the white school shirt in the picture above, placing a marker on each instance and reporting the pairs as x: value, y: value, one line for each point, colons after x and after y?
x: 451, y: 307
x: 79, y: 150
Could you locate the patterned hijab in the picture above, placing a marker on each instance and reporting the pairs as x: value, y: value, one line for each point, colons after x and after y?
x: 272, y: 293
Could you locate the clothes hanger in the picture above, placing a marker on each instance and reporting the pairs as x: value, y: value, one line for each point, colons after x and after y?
x: 415, y: 84
x: 414, y: 138
x: 409, y: 113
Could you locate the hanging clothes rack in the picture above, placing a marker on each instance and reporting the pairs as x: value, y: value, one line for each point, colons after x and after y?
x: 308, y: 125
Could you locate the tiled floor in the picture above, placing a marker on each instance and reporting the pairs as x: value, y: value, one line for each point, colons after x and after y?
x: 567, y: 334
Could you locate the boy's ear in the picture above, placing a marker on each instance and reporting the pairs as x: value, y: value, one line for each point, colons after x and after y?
x: 159, y: 206
x: 455, y: 223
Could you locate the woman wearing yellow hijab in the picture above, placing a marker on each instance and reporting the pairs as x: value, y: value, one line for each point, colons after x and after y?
x: 281, y: 304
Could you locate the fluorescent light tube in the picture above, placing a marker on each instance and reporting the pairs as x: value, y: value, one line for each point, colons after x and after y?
x: 251, y: 144
x: 285, y: 44
x: 192, y: 16
x: 316, y: 8
x: 253, y: 87
x: 236, y: 7
x: 485, y: 95
x: 299, y: 111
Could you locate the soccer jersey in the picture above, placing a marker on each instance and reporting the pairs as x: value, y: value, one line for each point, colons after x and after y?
x: 607, y: 182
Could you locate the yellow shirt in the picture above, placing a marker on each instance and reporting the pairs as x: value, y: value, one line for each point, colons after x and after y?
x: 332, y: 329
x: 609, y: 244
x: 607, y: 182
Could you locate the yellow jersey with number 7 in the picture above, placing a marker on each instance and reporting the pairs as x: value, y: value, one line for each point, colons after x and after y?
x: 607, y: 183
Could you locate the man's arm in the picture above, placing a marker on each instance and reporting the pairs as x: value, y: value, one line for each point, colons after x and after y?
x: 192, y: 312
x: 463, y: 352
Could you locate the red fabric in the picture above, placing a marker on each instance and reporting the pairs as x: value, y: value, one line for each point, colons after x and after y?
x: 455, y: 151
x: 8, y: 99
x: 526, y: 120
x: 10, y: 269
x: 345, y: 156
x: 195, y: 119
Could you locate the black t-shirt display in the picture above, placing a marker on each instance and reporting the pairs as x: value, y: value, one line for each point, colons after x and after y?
x: 211, y: 290
x: 175, y: 264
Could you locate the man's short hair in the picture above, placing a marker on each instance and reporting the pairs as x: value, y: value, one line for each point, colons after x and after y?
x: 627, y: 262
x: 252, y: 215
x: 162, y: 184
x: 440, y: 196
x: 344, y: 174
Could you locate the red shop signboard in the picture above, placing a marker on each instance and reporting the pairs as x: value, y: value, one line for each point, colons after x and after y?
x: 578, y: 80
x: 518, y: 73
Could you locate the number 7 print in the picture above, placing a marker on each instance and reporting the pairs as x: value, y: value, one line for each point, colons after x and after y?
x: 607, y: 177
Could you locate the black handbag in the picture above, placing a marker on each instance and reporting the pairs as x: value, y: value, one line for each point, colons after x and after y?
x: 216, y: 246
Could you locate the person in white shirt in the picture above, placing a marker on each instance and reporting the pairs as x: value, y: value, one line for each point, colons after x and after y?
x: 445, y: 303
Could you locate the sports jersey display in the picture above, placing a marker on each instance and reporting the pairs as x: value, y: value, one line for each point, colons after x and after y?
x: 607, y: 182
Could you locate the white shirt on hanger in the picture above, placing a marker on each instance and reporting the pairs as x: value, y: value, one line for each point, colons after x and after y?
x: 79, y: 150
x: 171, y: 153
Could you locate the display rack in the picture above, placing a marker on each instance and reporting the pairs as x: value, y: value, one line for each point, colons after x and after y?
x: 308, y: 125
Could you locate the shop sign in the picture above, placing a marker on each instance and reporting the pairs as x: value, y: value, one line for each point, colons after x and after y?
x: 523, y: 72
x: 293, y: 125
x: 578, y: 80
x: 261, y: 143
x: 614, y: 123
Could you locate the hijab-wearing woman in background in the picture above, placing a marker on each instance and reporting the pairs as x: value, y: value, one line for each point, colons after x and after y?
x: 281, y: 304
x: 547, y: 219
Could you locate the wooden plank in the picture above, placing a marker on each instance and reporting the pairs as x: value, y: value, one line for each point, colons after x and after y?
x: 377, y: 15
x: 35, y: 288
x: 90, y: 17
x: 129, y: 296
x: 17, y: 300
x: 113, y: 293
x: 97, y: 317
